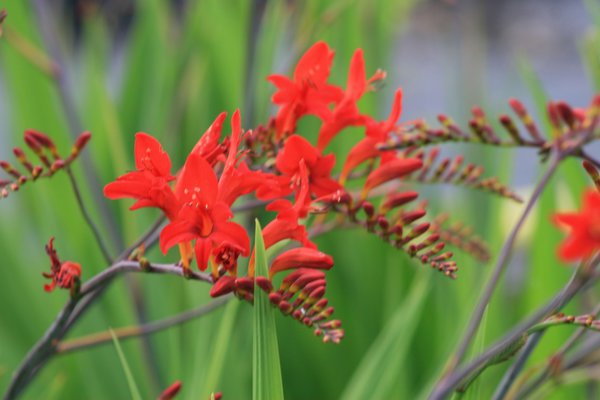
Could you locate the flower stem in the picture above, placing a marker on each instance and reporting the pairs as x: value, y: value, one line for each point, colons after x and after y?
x: 87, y: 217
x: 497, y: 273
x: 578, y: 283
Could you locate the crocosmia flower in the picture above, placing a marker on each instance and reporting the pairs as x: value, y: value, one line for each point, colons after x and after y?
x: 64, y: 275
x: 319, y: 167
x: 584, y: 229
x: 204, y: 217
x: 149, y: 183
x: 308, y: 92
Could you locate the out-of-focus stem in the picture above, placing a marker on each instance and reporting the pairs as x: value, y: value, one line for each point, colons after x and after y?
x: 515, y: 369
x: 497, y: 273
x: 87, y: 217
x: 577, y: 283
x: 97, y: 339
x: 559, y: 355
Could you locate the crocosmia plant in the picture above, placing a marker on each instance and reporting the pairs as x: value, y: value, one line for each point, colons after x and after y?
x: 240, y: 214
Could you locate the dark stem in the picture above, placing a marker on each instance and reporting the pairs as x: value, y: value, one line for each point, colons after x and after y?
x: 559, y: 355
x: 88, y: 218
x: 515, y: 369
x: 578, y: 282
x: 497, y: 273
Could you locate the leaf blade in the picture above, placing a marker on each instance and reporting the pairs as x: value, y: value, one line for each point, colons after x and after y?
x: 135, y: 393
x: 266, y: 372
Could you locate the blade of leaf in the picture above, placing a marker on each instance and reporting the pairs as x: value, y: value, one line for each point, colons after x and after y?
x: 266, y: 372
x: 135, y: 393
x: 375, y: 375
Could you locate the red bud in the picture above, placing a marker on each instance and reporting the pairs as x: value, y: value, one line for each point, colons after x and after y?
x: 302, y: 257
x: 170, y: 392
x: 391, y: 170
x: 224, y: 285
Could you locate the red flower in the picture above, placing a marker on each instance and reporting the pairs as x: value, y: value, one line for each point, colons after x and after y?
x: 149, y: 184
x: 205, y: 212
x: 308, y: 92
x: 376, y: 133
x: 584, y: 229
x: 65, y: 275
x: 345, y: 112
x: 205, y: 218
x: 286, y: 225
x: 208, y: 146
x: 319, y: 167
x: 237, y: 179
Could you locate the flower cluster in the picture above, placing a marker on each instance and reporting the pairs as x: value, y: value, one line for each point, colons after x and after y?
x: 293, y: 178
x: 65, y: 275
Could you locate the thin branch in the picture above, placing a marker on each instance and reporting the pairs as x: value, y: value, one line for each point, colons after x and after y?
x: 498, y: 270
x: 579, y: 282
x: 512, y: 373
x: 87, y: 217
x: 97, y: 339
x: 49, y: 37
x: 516, y: 367
x: 134, y: 266
x: 559, y: 355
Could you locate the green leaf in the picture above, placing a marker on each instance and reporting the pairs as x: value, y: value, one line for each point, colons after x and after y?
x: 384, y: 362
x: 135, y: 393
x: 266, y: 372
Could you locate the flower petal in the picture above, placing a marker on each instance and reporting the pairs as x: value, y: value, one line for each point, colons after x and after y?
x: 314, y: 65
x: 150, y: 156
x: 197, y: 182
x: 210, y: 139
x: 177, y: 232
x: 203, y: 249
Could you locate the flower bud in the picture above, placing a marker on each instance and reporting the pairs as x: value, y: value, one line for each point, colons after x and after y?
x: 170, y: 392
x: 225, y: 284
x: 302, y: 257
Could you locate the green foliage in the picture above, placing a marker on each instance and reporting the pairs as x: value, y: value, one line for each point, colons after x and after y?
x: 390, y: 348
x: 266, y: 371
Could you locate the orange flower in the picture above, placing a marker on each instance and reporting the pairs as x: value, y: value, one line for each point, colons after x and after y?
x: 149, y: 183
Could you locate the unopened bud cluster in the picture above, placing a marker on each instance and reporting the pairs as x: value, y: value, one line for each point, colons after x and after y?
x: 48, y: 162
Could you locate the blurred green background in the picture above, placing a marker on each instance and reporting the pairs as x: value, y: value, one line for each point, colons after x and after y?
x: 168, y: 68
